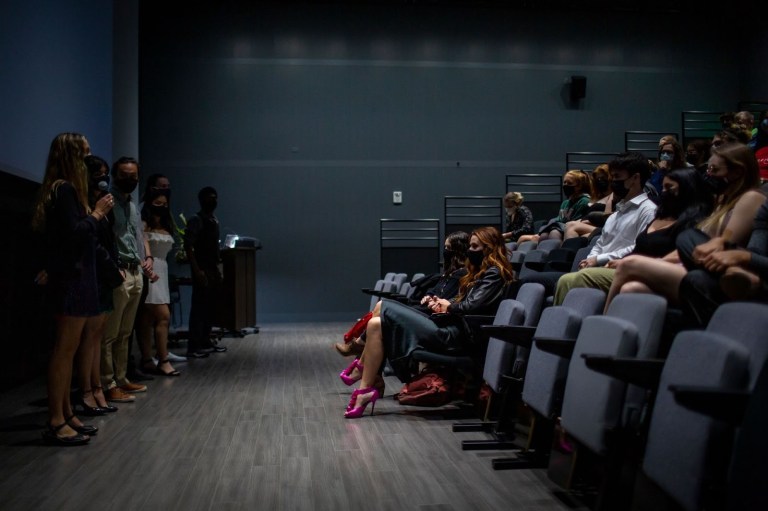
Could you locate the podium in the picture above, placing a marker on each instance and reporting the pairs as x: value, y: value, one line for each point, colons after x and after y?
x: 238, y: 301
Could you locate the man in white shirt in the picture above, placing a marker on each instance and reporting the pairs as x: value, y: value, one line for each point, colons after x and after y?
x: 634, y: 211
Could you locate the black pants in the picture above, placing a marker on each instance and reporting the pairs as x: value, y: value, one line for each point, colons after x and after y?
x: 202, y: 313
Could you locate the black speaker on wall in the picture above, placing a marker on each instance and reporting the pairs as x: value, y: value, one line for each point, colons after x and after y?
x: 578, y: 87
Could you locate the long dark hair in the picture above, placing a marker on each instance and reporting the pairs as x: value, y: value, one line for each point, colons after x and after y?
x: 459, y: 243
x: 693, y: 197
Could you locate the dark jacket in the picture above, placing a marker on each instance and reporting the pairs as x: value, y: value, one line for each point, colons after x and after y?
x: 484, y: 295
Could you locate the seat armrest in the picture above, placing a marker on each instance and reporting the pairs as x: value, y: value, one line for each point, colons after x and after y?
x: 479, y: 320
x: 513, y: 334
x: 374, y: 292
x: 559, y: 346
x: 723, y: 404
x: 645, y: 373
x: 563, y: 266
x: 536, y: 265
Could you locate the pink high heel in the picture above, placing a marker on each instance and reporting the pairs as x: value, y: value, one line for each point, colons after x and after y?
x: 345, y: 374
x: 357, y: 412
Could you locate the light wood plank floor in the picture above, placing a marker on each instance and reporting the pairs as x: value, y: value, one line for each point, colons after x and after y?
x: 259, y: 427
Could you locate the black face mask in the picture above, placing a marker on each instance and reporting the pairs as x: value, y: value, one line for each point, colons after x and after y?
x: 618, y: 189
x: 209, y: 205
x: 160, y: 211
x: 602, y: 185
x: 475, y: 257
x: 691, y: 158
x: 447, y: 255
x: 669, y: 205
x: 568, y: 190
x: 716, y: 184
x: 126, y: 185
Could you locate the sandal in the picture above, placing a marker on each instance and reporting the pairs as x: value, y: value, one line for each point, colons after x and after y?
x: 148, y: 366
x: 108, y: 408
x: 169, y: 373
x: 83, y: 429
x: 50, y: 436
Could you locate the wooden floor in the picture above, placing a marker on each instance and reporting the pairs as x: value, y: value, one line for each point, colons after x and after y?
x: 260, y: 427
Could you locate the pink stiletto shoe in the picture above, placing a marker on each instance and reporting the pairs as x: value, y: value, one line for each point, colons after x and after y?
x: 345, y: 374
x: 357, y: 411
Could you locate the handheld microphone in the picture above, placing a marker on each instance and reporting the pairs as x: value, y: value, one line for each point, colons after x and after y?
x: 103, y: 186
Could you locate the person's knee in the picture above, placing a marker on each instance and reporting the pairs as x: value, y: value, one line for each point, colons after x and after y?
x: 635, y: 287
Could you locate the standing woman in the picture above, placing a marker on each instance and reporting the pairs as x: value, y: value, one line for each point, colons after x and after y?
x: 63, y: 214
x: 88, y: 359
x: 156, y: 313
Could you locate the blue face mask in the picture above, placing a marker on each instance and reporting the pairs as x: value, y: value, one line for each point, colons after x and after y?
x: 665, y: 156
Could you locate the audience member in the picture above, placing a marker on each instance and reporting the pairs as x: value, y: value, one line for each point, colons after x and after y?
x: 697, y: 154
x: 201, y: 239
x: 671, y: 157
x: 446, y: 285
x: 155, y: 318
x: 600, y: 206
x: 760, y: 146
x: 134, y: 258
x: 400, y: 329
x: 63, y: 213
x: 733, y: 178
x: 729, y: 274
x: 684, y: 202
x: 577, y: 191
x: 519, y: 217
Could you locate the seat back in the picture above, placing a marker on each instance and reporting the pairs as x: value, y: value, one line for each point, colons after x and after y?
x: 416, y: 276
x: 546, y: 374
x: 630, y: 328
x: 581, y: 254
x: 548, y: 245
x: 503, y: 358
x: 517, y: 256
x: 686, y: 450
x: 389, y: 286
x: 747, y: 323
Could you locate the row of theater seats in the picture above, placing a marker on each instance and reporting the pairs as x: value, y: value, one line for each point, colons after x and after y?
x: 647, y: 432
x: 548, y: 255
x: 396, y: 286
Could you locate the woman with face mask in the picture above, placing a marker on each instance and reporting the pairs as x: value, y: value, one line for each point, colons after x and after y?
x: 400, y: 329
x: 577, y: 189
x: 519, y: 217
x: 156, y: 312
x: 69, y: 222
x: 600, y: 206
x: 732, y: 178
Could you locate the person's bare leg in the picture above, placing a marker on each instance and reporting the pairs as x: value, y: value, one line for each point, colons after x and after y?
x: 655, y: 275
x: 88, y: 356
x: 162, y: 316
x: 95, y: 334
x: 68, y: 332
x: 374, y: 356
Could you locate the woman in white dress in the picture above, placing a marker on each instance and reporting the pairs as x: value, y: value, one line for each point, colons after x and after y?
x: 156, y: 221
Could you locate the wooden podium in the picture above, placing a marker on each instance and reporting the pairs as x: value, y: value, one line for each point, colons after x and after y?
x: 238, y: 303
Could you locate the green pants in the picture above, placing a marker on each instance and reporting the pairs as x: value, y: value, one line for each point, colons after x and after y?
x: 600, y: 278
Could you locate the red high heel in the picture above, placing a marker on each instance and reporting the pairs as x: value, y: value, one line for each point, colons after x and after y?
x: 358, y: 411
x: 345, y: 374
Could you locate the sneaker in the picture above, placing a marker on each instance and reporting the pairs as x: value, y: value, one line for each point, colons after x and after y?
x: 214, y: 349
x: 173, y: 357
x: 133, y: 388
x: 118, y: 396
x: 197, y: 354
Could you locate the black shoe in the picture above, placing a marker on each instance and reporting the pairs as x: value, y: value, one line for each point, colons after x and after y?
x: 50, y: 437
x: 197, y: 354
x: 139, y: 376
x: 85, y: 429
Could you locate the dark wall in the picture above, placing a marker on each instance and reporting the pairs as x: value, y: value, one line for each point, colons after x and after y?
x: 307, y: 117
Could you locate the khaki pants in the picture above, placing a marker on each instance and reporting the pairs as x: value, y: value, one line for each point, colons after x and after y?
x: 118, y: 329
x: 598, y: 278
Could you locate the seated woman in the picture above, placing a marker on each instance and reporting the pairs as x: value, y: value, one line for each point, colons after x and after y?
x: 399, y: 330
x: 733, y: 177
x: 733, y: 274
x: 600, y: 206
x: 519, y: 217
x: 577, y: 190
x: 454, y: 259
x: 685, y: 201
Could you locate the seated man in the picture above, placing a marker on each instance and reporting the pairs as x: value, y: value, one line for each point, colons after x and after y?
x: 634, y: 211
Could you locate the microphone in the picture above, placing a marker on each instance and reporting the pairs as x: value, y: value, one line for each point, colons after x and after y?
x: 103, y: 186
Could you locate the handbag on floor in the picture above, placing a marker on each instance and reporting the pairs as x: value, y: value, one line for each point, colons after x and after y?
x: 429, y: 388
